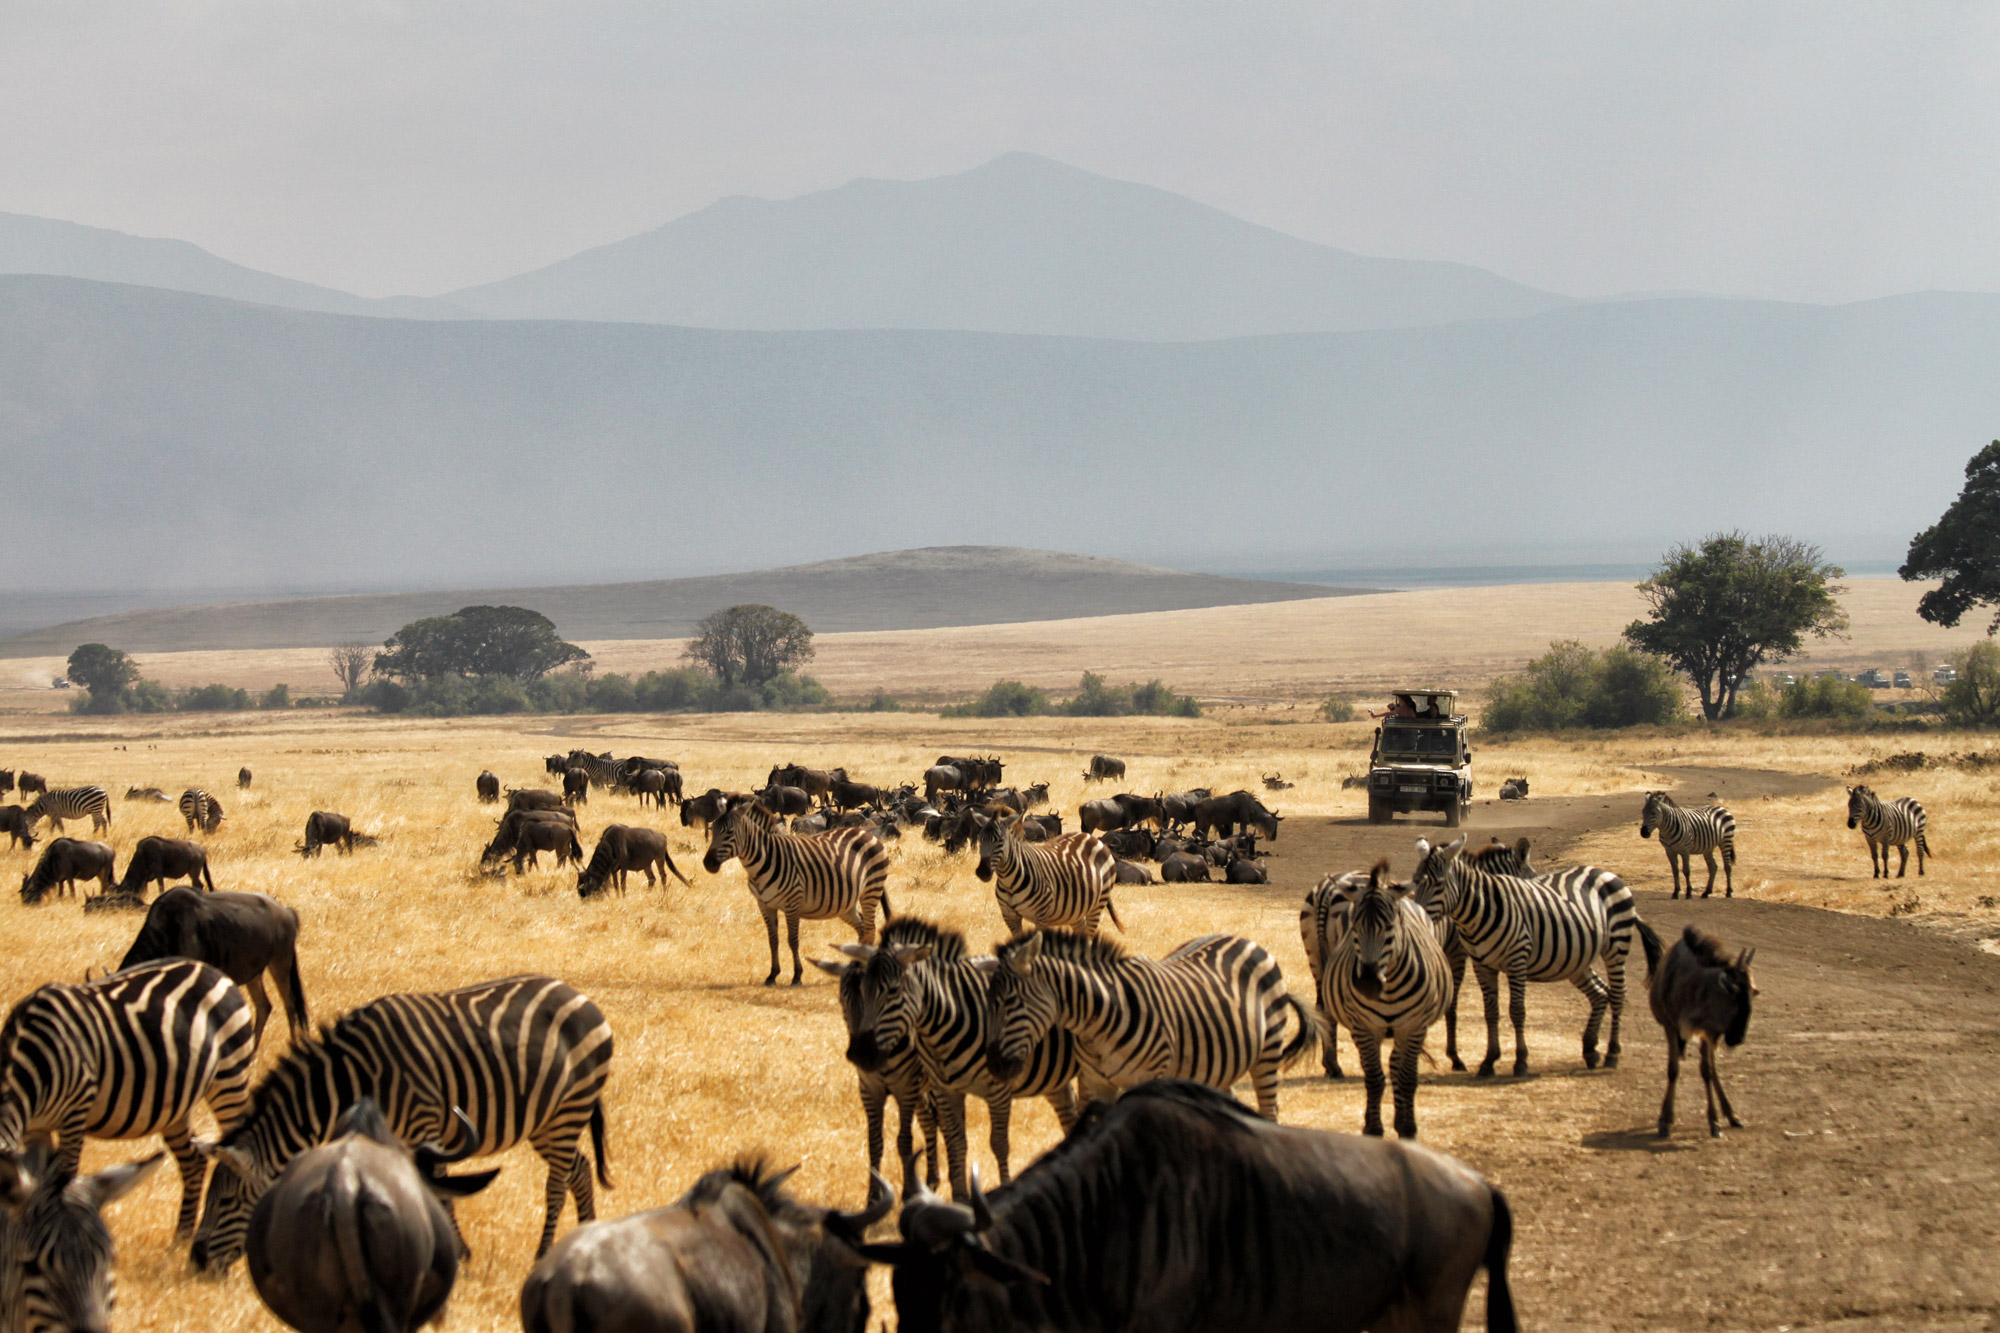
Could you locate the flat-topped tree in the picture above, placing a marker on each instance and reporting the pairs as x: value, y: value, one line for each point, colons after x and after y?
x: 477, y: 641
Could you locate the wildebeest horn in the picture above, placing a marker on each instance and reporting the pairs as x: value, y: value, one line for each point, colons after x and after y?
x: 982, y: 1216
x: 432, y: 1158
x: 881, y: 1198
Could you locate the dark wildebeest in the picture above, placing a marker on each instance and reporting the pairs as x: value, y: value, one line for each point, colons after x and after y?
x: 488, y: 787
x: 810, y: 823
x: 1181, y: 868
x: 245, y: 936
x: 1103, y: 768
x: 533, y: 798
x: 158, y: 860
x: 243, y: 777
x: 703, y: 810
x: 1242, y: 871
x: 64, y: 862
x: 14, y: 823
x: 1128, y: 873
x: 146, y: 794
x: 1699, y: 992
x: 1514, y: 789
x: 33, y: 782
x: 555, y: 765
x: 661, y: 784
x: 620, y: 849
x: 1224, y: 815
x: 353, y: 1234
x: 526, y: 834
x: 735, y: 1254
x: 845, y: 795
x: 1102, y: 816
x: 942, y: 778
x: 1178, y: 807
x: 630, y: 769
x: 576, y: 787
x: 1156, y: 1210
x: 816, y: 782
x: 55, y: 1251
x: 1276, y: 782
x: 6, y: 780
x: 786, y: 801
x: 324, y: 827
x: 1129, y: 842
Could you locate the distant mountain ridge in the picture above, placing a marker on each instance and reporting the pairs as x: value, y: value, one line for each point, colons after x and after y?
x: 1020, y: 245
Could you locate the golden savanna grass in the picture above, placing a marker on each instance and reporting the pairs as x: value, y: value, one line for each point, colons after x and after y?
x: 708, y: 1062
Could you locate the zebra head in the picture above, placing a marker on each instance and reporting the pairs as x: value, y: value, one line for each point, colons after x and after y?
x: 1858, y: 801
x: 1651, y: 817
x: 1433, y: 879
x: 722, y: 836
x: 55, y: 1251
x: 239, y: 1179
x: 871, y: 999
x: 1021, y: 1003
x: 990, y: 833
x: 1375, y: 921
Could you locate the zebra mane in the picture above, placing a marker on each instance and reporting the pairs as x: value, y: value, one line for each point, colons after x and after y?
x: 947, y: 945
x: 295, y: 1066
x: 1068, y: 946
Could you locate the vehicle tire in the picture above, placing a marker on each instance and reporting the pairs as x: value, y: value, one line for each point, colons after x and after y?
x: 1454, y: 814
x: 1379, y: 811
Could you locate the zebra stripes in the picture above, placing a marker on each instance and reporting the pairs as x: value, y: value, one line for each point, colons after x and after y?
x: 1887, y: 824
x: 1554, y: 928
x: 125, y: 1057
x: 524, y: 1058
x: 1064, y: 882
x: 55, y: 1251
x: 71, y: 803
x: 1212, y: 1011
x: 1325, y: 915
x: 930, y: 999
x: 1700, y: 830
x: 843, y: 873
x: 1384, y: 974
x: 200, y: 810
x: 602, y: 770
x: 883, y: 1072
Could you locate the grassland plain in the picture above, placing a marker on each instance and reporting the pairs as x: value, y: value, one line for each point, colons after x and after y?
x: 710, y: 1064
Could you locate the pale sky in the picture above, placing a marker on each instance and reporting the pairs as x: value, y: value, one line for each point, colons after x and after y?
x: 1805, y: 150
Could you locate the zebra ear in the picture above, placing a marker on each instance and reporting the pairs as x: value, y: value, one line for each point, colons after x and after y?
x: 1023, y: 958
x: 830, y: 968
x: 908, y: 954
x: 860, y: 953
x: 1423, y: 848
x: 115, y: 1183
x: 987, y: 964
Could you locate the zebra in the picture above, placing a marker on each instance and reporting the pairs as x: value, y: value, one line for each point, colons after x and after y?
x: 55, y: 1251
x: 1385, y: 976
x: 600, y: 769
x: 1066, y: 881
x: 1212, y: 1011
x: 200, y: 810
x: 1700, y: 830
x: 71, y: 803
x: 1324, y: 916
x: 126, y: 1056
x: 1887, y: 824
x: 520, y: 1058
x: 842, y: 873
x: 1552, y: 928
x: 882, y: 1074
x: 929, y: 998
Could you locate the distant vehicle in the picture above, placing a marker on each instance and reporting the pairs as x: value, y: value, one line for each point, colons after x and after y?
x: 1828, y: 674
x: 1902, y: 680
x: 1421, y: 759
x: 1874, y: 680
x: 1780, y: 679
x: 1944, y: 675
x: 59, y: 683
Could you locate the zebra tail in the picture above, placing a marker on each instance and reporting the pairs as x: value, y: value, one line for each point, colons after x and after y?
x: 1499, y: 1297
x: 1649, y: 939
x: 887, y: 911
x: 1306, y: 1039
x: 597, y: 1144
x: 1112, y: 908
x: 1923, y: 843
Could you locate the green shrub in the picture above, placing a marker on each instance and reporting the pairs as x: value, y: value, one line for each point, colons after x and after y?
x: 383, y: 695
x: 278, y: 696
x: 1973, y: 698
x: 613, y: 693
x: 1005, y: 698
x: 1337, y: 708
x: 1757, y: 701
x: 1824, y: 696
x: 673, y: 691
x: 1574, y: 686
x: 214, y: 699
x: 787, y: 691
x: 1094, y: 698
x: 880, y: 702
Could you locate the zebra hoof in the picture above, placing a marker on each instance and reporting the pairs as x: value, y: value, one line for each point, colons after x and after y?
x: 1666, y: 1128
x: 1372, y: 1131
x: 771, y: 980
x: 1521, y: 1069
x: 1457, y: 1065
x: 1611, y: 1061
x: 1589, y: 1061
x: 1486, y: 1070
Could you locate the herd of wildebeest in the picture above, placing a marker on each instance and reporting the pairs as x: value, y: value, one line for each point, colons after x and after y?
x: 330, y: 1174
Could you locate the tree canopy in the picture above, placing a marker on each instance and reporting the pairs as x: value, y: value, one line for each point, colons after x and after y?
x: 1721, y: 608
x: 105, y: 671
x: 1572, y: 685
x: 750, y: 644
x: 509, y: 641
x: 1962, y: 547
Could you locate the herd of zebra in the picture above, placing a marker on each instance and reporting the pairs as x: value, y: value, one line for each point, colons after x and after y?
x: 1055, y: 1011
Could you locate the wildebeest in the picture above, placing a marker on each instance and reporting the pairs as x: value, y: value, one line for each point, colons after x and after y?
x: 1129, y: 842
x: 533, y: 798
x: 526, y: 834
x: 735, y: 1254
x: 1128, y: 873
x: 1182, y: 868
x: 1699, y: 992
x: 1177, y: 807
x: 660, y: 784
x: 1514, y: 789
x: 55, y: 1251
x: 6, y: 780
x: 1276, y: 782
x: 1243, y: 871
x: 146, y: 794
x: 244, y: 936
x: 1224, y: 815
x: 977, y: 773
x: 352, y: 1234
x: 33, y: 782
x: 621, y: 848
x: 555, y: 764
x: 14, y: 823
x: 816, y: 782
x: 64, y: 862
x: 157, y: 860
x: 324, y: 827
x: 939, y: 778
x: 630, y: 769
x: 1156, y: 1210
x: 1102, y: 816
x: 576, y: 787
x: 243, y: 777
x: 488, y: 786
x: 786, y: 801
x: 703, y: 810
x: 845, y: 795
x: 1103, y: 768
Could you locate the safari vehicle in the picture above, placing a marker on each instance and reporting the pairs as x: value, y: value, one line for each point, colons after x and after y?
x: 1421, y: 760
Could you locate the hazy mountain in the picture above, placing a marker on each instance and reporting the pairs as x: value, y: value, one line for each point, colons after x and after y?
x: 70, y: 250
x: 158, y: 437
x: 1020, y: 245
x: 937, y: 586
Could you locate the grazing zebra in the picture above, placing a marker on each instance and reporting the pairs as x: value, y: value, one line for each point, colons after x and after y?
x: 1385, y: 975
x: 1887, y: 824
x: 843, y: 873
x: 71, y: 803
x: 884, y: 1067
x: 55, y: 1251
x: 200, y: 810
x: 1066, y: 881
x: 929, y: 998
x: 1212, y: 1011
x: 600, y: 769
x: 126, y: 1056
x: 522, y: 1058
x: 1700, y: 830
x: 1552, y: 928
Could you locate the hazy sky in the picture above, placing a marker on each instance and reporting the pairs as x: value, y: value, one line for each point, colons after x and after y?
x: 1807, y: 150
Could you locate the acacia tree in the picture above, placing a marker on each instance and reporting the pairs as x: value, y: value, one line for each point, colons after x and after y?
x: 1962, y: 547
x: 350, y: 662
x: 750, y: 643
x: 477, y: 641
x: 1730, y: 604
x: 106, y: 672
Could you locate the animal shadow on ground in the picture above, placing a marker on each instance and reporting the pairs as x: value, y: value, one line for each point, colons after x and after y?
x: 1643, y: 1139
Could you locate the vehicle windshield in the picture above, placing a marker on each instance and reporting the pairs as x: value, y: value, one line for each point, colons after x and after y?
x: 1425, y: 742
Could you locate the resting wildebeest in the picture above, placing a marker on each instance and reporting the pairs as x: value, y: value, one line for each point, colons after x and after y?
x: 1129, y: 842
x: 1128, y: 873
x: 1176, y: 1210
x: 243, y: 777
x: 146, y: 794
x: 244, y: 936
x: 1104, y: 768
x: 157, y: 860
x: 620, y: 849
x: 526, y: 834
x: 1514, y: 789
x: 735, y: 1254
x: 1182, y: 868
x: 488, y: 786
x: 1276, y: 782
x: 352, y: 1235
x: 1225, y: 814
x: 64, y: 862
x: 14, y: 823
x: 324, y: 827
x: 576, y: 787
x: 55, y: 1251
x: 1700, y: 991
x: 1242, y: 871
x: 533, y: 798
